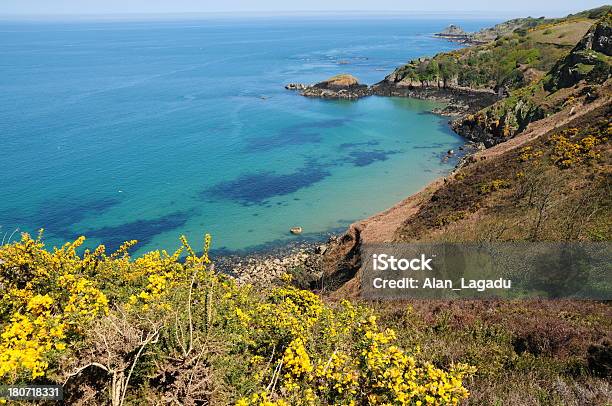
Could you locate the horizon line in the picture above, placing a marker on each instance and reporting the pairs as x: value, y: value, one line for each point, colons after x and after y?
x: 281, y: 13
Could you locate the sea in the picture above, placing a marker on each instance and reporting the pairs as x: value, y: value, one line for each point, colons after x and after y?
x: 153, y: 129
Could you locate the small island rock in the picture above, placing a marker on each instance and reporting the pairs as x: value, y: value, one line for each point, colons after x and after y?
x: 338, y: 87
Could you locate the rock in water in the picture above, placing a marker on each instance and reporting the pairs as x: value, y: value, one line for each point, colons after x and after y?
x: 296, y: 86
x: 453, y: 30
x: 339, y: 82
x: 454, y: 33
x: 338, y: 87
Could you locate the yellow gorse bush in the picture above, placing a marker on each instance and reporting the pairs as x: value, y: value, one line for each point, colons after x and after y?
x: 48, y: 299
x: 529, y: 153
x: 275, y: 346
x: 355, y: 364
x: 567, y: 153
x: 53, y: 296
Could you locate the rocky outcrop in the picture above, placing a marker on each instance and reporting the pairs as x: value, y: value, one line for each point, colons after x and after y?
x: 452, y: 30
x: 459, y: 100
x: 405, y: 77
x: 454, y: 33
x: 499, y: 122
x: 296, y: 86
x: 338, y: 87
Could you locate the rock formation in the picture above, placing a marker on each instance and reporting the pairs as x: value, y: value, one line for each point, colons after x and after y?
x: 454, y: 33
x: 337, y: 87
x: 590, y: 59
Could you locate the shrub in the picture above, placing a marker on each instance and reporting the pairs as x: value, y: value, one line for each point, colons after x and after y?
x: 494, y: 185
x: 528, y: 153
x: 566, y: 153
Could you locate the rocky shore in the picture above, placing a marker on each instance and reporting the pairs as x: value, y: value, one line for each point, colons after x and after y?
x: 301, y: 260
x: 459, y: 100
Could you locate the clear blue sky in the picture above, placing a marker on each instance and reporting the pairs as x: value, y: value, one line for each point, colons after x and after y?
x: 487, y: 7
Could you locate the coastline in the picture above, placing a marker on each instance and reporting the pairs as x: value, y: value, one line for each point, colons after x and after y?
x: 333, y: 265
x: 311, y: 258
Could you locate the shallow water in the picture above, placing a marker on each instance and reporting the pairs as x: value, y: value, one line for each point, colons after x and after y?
x: 149, y: 130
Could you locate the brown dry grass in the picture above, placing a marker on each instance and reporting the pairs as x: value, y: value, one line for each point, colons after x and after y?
x: 564, y: 34
x: 342, y: 80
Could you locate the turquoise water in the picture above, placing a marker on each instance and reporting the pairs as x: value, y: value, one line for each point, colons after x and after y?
x: 149, y: 130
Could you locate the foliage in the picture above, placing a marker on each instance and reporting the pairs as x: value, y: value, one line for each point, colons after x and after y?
x: 528, y: 153
x: 494, y: 185
x: 500, y: 63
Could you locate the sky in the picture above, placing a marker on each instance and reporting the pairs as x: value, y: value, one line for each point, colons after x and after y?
x: 549, y: 8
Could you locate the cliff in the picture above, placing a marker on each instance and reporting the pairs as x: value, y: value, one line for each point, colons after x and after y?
x: 590, y: 60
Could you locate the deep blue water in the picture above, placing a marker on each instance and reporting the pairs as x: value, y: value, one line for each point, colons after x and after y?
x: 149, y: 130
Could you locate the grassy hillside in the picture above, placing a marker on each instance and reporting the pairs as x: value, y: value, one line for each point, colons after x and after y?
x: 555, y: 188
x: 520, y: 53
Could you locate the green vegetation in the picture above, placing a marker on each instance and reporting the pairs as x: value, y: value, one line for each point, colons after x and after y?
x: 575, y: 77
x: 502, y: 62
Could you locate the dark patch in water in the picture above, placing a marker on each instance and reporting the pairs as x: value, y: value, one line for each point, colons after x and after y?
x: 296, y: 134
x: 57, y: 216
x: 257, y: 188
x: 365, y: 158
x: 348, y: 145
x: 141, y: 230
x: 433, y: 145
